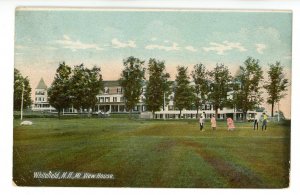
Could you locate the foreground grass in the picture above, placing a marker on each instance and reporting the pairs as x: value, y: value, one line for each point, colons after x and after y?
x: 152, y: 153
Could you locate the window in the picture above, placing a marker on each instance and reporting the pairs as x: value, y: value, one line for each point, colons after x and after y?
x: 143, y: 108
x: 119, y: 90
x: 106, y: 99
x: 39, y: 93
x: 208, y: 107
x: 114, y: 108
x: 106, y: 90
x: 122, y: 108
x: 115, y: 99
x: 121, y: 99
x: 101, y: 99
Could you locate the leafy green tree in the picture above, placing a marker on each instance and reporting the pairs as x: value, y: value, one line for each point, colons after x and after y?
x: 86, y: 84
x: 59, y: 91
x: 276, y: 85
x: 132, y: 79
x: 158, y: 86
x: 183, y: 97
x: 219, y: 87
x: 249, y: 77
x: 199, y: 75
x: 19, y: 83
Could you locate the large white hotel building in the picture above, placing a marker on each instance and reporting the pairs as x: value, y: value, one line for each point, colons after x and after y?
x: 111, y: 101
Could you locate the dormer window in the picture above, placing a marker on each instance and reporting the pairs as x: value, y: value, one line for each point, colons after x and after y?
x: 119, y: 90
x: 106, y: 90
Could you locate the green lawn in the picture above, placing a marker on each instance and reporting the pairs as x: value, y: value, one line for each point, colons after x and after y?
x: 151, y: 153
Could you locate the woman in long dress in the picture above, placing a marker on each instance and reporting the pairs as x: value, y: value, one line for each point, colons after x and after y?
x: 213, y: 122
x: 230, y: 124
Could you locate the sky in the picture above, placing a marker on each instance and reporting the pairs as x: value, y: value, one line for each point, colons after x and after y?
x: 46, y: 37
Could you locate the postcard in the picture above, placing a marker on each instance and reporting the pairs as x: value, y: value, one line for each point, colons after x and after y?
x: 159, y: 98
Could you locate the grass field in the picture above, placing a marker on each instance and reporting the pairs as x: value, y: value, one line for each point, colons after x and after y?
x: 152, y: 153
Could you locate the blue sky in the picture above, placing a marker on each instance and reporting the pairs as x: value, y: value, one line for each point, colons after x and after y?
x: 104, y: 38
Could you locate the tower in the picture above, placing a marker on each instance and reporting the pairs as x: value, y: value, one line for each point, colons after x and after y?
x: 41, y: 97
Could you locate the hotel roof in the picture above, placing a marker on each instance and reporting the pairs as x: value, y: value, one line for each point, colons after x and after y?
x: 41, y: 85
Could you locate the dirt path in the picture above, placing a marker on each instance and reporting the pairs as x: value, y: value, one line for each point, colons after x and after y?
x: 237, y: 178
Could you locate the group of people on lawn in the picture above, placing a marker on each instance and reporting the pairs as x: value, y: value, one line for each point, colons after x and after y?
x: 230, y: 123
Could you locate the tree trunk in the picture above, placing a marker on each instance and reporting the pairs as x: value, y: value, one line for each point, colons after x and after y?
x: 153, y: 115
x: 272, y: 110
x: 216, y: 113
x: 245, y: 116
x: 130, y: 112
x: 58, y: 113
x: 197, y: 111
x: 89, y: 113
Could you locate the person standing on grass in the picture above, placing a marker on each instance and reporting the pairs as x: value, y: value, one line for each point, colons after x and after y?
x: 213, y: 122
x: 230, y: 124
x: 264, y: 122
x: 203, y: 115
x: 201, y: 122
x: 255, y: 122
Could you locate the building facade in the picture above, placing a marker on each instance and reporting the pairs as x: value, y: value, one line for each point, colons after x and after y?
x: 111, y: 101
x: 41, y: 98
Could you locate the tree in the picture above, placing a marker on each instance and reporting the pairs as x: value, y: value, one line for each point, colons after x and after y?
x: 249, y: 77
x: 132, y: 78
x: 183, y: 97
x: 86, y: 84
x: 276, y: 85
x: 219, y: 87
x: 19, y: 82
x: 158, y: 86
x: 59, y: 91
x: 199, y: 75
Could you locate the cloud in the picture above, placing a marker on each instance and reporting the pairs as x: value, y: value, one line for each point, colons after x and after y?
x: 191, y: 48
x: 118, y: 44
x: 21, y: 47
x: 35, y: 48
x: 260, y: 47
x: 221, y: 48
x: 75, y: 45
x: 66, y: 37
x: 268, y: 32
x: 173, y: 47
x: 50, y: 48
x: 153, y: 39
